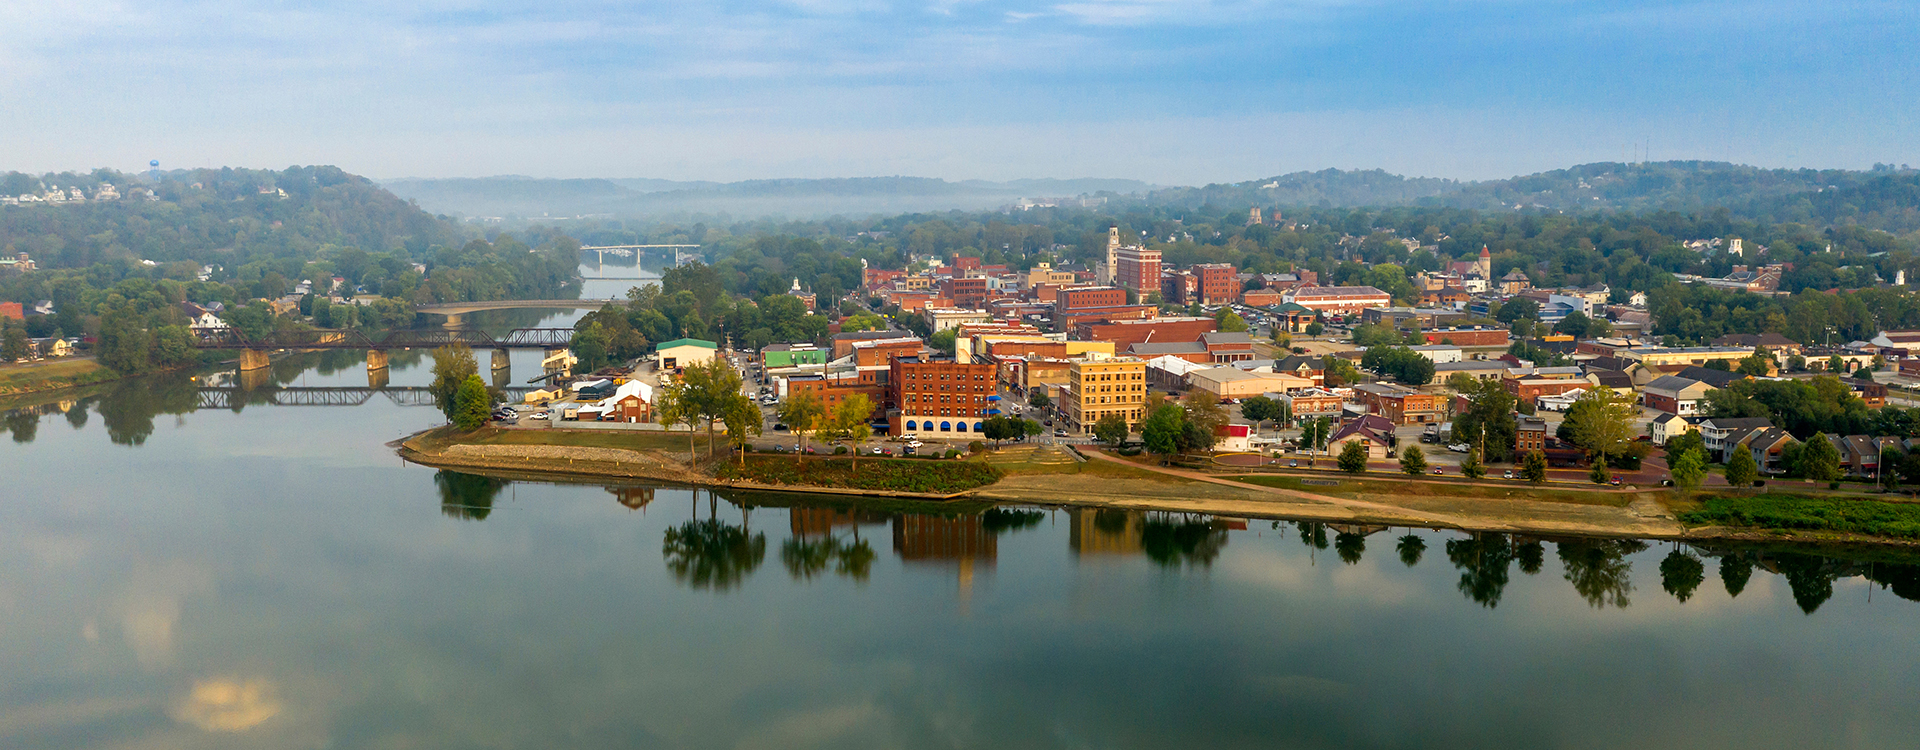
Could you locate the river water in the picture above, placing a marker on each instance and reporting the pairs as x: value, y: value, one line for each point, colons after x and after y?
x: 273, y: 576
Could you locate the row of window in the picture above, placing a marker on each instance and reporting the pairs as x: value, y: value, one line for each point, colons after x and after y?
x: 911, y: 375
x: 917, y: 426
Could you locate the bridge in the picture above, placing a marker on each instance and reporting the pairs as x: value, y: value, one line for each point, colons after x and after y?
x: 453, y: 310
x: 234, y: 398
x: 253, y: 350
x: 625, y: 250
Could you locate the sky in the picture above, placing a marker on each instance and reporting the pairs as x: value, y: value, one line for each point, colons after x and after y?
x: 1168, y: 91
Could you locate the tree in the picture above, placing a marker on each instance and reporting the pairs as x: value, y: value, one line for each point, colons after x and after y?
x: 942, y: 341
x: 1575, y: 324
x: 1411, y: 547
x: 742, y: 418
x: 1836, y: 365
x: 471, y: 404
x: 802, y: 413
x: 673, y: 405
x: 1819, y: 460
x: 1471, y: 467
x: 1413, y: 461
x: 1686, y: 469
x: 1315, y: 329
x: 1890, y: 461
x: 1260, y: 409
x: 1038, y: 399
x: 863, y: 322
x: 848, y: 423
x: 1535, y: 467
x: 1205, y: 412
x: 1686, y: 441
x: 1864, y: 373
x: 1718, y: 364
x: 1353, y: 457
x: 1601, y: 423
x: 1599, y: 473
x: 1111, y: 428
x: 1755, y: 365
x: 709, y: 388
x: 590, y: 346
x: 1487, y: 422
x: 15, y: 345
x: 452, y: 365
x: 1030, y: 428
x: 1519, y: 308
x: 1162, y: 430
x: 1741, y: 469
x: 1228, y: 321
x: 1314, y: 433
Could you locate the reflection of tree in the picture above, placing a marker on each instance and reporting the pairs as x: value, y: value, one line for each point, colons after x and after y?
x: 713, y: 555
x: 806, y: 558
x: 466, y: 496
x: 77, y: 414
x: 998, y: 520
x: 1599, y: 570
x: 1171, y: 540
x: 1681, y: 574
x: 1349, y: 547
x: 1111, y: 521
x: 855, y: 560
x: 1411, y: 548
x: 1313, y: 535
x: 1530, y: 554
x: 1903, y: 580
x: 1735, y: 569
x: 1482, y: 560
x: 24, y: 425
x: 129, y: 409
x: 1809, y: 576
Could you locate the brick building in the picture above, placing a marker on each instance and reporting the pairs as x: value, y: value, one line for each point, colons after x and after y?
x: 1219, y: 283
x: 1399, y: 404
x: 965, y: 293
x: 1339, y: 300
x: 1469, y: 336
x: 1090, y: 297
x: 833, y: 390
x: 939, y: 397
x: 1137, y: 268
x: 1098, y: 388
x: 1125, y: 333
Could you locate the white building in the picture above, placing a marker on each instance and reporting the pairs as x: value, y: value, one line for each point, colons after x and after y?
x: 1440, y: 354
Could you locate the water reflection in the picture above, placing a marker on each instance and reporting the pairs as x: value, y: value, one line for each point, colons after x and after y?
x: 1681, y: 573
x: 466, y: 496
x: 713, y: 554
x: 1483, y: 560
x: 1599, y: 570
x: 1173, y: 540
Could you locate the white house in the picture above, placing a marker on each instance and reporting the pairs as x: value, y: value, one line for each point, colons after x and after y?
x: 1440, y: 354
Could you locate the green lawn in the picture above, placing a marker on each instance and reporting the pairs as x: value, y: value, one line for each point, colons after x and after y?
x: 51, y: 373
x: 1799, y: 513
x: 1355, y: 487
x: 675, y: 442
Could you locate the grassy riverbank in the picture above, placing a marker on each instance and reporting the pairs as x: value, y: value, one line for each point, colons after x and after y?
x: 1790, y: 514
x: 876, y: 474
x: 53, y: 374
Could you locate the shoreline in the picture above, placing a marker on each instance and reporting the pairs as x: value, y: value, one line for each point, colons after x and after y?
x: 1643, y: 514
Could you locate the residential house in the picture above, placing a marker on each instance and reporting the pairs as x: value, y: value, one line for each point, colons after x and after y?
x: 1722, y: 434
x: 1370, y: 431
x: 1303, y: 366
x: 1530, y: 434
x: 1669, y: 426
x: 1767, y: 445
x: 1675, y: 395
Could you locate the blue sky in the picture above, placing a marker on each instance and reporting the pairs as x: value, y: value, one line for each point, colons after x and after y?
x: 1172, y: 91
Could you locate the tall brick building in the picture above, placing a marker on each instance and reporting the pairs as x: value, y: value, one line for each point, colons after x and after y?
x: 939, y: 397
x: 1110, y: 386
x: 1219, y: 283
x: 1137, y: 268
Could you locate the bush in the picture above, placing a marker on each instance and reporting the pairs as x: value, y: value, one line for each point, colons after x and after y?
x: 953, y: 453
x: 839, y: 450
x: 1789, y: 512
x: 881, y: 474
x: 976, y: 446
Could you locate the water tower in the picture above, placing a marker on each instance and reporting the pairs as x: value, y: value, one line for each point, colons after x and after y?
x: 153, y: 169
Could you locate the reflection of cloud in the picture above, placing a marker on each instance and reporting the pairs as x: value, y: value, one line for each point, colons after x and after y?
x: 1299, y: 686
x: 150, y: 612
x: 812, y: 728
x: 228, y: 705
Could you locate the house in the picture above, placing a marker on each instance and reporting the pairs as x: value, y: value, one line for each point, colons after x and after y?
x: 1860, y: 454
x: 631, y: 402
x: 1530, y: 434
x: 1232, y: 438
x: 1369, y: 431
x: 1312, y: 403
x: 1710, y: 376
x: 1721, y: 435
x: 1303, y: 366
x: 1669, y: 426
x: 1339, y: 300
x: 1873, y: 394
x: 1675, y: 395
x: 683, y: 353
x: 1618, y: 382
x: 1767, y: 446
x: 1482, y: 369
x: 1560, y: 401
x: 544, y: 395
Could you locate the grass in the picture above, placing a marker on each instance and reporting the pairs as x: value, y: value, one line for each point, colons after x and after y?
x: 882, y: 474
x: 1352, y: 487
x: 674, y: 442
x: 59, y: 373
x: 1799, y: 513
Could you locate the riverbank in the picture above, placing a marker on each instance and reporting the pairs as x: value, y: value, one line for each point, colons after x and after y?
x: 1034, y: 475
x: 53, y: 375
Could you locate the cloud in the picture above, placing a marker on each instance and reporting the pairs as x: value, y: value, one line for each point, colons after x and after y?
x: 228, y: 704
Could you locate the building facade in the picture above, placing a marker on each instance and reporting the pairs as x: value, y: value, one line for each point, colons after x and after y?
x: 1098, y: 388
x: 939, y: 397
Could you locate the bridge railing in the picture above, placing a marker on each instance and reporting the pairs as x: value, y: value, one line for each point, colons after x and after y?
x: 333, y: 338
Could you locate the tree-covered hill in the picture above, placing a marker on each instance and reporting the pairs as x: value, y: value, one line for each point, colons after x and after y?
x: 213, y: 216
x: 1325, y: 188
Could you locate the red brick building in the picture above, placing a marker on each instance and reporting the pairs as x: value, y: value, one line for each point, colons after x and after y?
x: 832, y: 391
x: 1262, y: 298
x: 1072, y: 319
x: 875, y: 278
x: 1474, y: 336
x: 1339, y: 300
x: 1125, y: 333
x: 1089, y: 297
x: 969, y: 294
x: 1399, y: 404
x: 1219, y: 283
x: 1137, y: 268
x: 939, y: 397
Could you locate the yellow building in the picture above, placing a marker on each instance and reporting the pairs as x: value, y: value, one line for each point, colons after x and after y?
x: 1685, y: 355
x: 1100, y: 387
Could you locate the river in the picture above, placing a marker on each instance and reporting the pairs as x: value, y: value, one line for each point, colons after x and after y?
x: 273, y: 576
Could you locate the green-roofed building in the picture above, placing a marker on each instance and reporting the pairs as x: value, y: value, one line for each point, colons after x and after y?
x: 775, y: 356
x: 680, y: 353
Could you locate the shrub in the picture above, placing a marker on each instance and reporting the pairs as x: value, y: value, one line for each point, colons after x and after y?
x: 881, y: 474
x: 976, y: 446
x: 839, y: 450
x: 1789, y: 512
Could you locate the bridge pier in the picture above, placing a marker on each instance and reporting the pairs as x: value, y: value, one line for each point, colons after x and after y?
x: 376, y: 360
x: 453, y: 320
x: 377, y: 378
x: 501, y: 361
x: 253, y: 359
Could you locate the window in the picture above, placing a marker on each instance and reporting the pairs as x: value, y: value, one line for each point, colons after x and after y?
x: 946, y: 426
x: 912, y: 425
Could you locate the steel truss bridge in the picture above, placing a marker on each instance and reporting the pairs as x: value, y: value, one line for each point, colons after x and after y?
x: 234, y: 398
x: 329, y: 338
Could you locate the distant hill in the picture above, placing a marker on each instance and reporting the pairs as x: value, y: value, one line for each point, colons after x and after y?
x: 226, y: 216
x: 1327, y: 188
x: 527, y: 198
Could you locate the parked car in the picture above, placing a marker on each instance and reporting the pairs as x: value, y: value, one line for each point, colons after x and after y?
x: 1436, y: 470
x: 1460, y: 447
x: 1507, y: 475
x: 541, y: 416
x: 1059, y: 433
x: 914, y: 443
x: 1293, y: 463
x: 1616, y: 480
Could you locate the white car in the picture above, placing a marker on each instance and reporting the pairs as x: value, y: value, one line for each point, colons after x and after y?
x: 1460, y: 447
x: 914, y: 444
x: 542, y: 416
